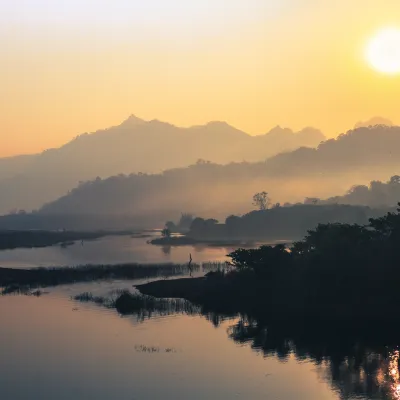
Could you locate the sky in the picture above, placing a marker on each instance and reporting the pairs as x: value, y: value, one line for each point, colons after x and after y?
x: 73, y: 67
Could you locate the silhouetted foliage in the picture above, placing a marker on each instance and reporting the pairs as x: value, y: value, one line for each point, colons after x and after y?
x: 280, y: 223
x: 261, y: 201
x: 377, y: 194
x: 346, y: 271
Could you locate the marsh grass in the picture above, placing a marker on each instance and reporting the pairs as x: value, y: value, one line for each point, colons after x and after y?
x: 144, y: 307
x: 17, y: 280
x: 106, y: 301
x: 154, y: 349
x: 21, y: 290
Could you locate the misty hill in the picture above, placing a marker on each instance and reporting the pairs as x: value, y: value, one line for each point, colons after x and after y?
x: 26, y: 182
x: 214, y: 190
x: 376, y: 194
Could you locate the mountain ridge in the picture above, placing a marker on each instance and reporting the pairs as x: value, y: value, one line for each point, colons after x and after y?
x: 133, y: 146
x: 360, y: 155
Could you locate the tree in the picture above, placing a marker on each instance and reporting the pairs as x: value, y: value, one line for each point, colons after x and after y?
x: 200, y: 161
x: 166, y: 232
x: 263, y: 261
x: 185, y: 222
x: 261, y: 200
x: 311, y: 200
x: 232, y: 220
x: 197, y: 224
x: 171, y: 226
x: 209, y: 223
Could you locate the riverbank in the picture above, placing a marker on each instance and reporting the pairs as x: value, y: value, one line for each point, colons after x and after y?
x: 189, y: 241
x: 10, y: 239
x: 230, y: 298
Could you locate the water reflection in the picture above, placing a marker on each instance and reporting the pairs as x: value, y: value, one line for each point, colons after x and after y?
x: 166, y: 250
x: 177, y: 342
x: 356, y: 369
x: 358, y: 363
x: 109, y: 250
x: 61, y: 350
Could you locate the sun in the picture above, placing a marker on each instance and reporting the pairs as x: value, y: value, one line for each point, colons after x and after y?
x: 383, y: 51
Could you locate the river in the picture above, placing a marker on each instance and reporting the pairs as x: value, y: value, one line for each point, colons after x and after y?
x: 55, y: 348
x: 110, y: 250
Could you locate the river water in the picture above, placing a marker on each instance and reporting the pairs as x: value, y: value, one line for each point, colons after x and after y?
x: 53, y: 347
x: 110, y: 250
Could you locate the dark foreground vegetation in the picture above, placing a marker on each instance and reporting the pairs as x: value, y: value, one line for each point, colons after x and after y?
x: 338, y: 271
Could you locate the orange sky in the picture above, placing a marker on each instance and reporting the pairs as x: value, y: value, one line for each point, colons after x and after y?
x: 70, y: 68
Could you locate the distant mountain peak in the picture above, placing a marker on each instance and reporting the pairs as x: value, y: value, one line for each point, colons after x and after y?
x: 278, y: 130
x: 217, y: 123
x: 133, y: 120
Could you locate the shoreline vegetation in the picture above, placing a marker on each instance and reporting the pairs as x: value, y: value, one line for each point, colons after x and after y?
x: 338, y: 271
x: 15, y: 239
x: 278, y: 224
x: 25, y: 280
x: 189, y: 241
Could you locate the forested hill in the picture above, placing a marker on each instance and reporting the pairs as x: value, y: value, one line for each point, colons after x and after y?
x: 357, y: 156
x: 27, y: 182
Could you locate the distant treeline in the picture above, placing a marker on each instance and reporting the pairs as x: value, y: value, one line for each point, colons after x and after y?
x: 29, y: 239
x: 280, y: 223
x: 78, y: 222
x: 375, y: 195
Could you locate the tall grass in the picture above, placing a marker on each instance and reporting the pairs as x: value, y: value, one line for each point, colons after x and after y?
x: 142, y: 306
x: 53, y: 276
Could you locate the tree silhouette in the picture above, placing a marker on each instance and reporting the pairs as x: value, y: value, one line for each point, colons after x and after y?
x: 166, y: 232
x: 261, y: 200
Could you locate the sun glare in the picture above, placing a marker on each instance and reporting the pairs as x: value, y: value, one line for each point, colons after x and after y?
x: 383, y: 51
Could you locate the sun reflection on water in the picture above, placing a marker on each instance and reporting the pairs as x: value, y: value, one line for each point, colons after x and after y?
x: 394, y: 375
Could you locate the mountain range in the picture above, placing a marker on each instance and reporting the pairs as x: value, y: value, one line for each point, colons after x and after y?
x: 27, y: 182
x: 210, y: 189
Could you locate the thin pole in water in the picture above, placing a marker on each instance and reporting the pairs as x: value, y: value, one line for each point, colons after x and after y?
x: 190, y: 264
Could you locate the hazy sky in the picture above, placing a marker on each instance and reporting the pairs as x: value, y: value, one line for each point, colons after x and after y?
x: 68, y: 67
